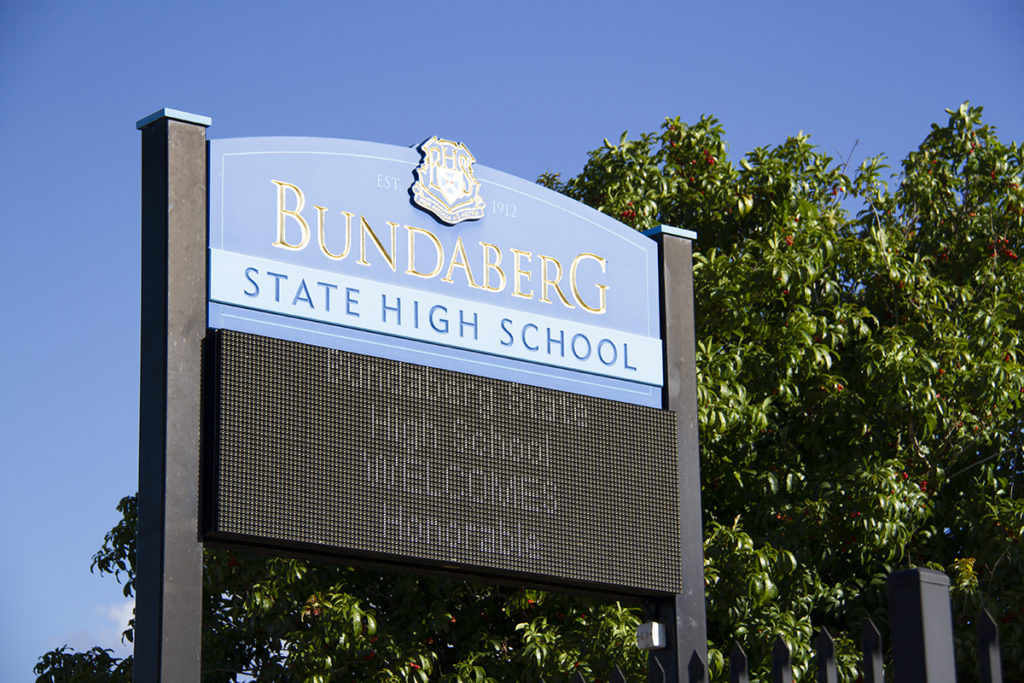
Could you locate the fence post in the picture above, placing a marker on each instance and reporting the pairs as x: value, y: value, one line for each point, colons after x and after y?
x: 739, y: 670
x: 825, y: 650
x: 697, y: 669
x: 656, y: 672
x: 989, y: 665
x: 921, y: 626
x: 871, y: 646
x: 782, y: 668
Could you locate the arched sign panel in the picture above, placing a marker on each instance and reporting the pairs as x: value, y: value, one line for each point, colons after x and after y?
x: 422, y: 255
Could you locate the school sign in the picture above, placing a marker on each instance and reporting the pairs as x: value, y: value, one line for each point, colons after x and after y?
x: 402, y: 358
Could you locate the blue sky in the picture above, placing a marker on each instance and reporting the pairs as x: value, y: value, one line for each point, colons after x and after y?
x: 529, y: 87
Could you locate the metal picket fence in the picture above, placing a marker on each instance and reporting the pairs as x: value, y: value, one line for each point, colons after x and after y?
x: 989, y: 667
x: 921, y: 627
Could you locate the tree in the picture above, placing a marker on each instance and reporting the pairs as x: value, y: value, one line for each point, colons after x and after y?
x: 284, y: 619
x: 859, y: 382
x: 859, y: 388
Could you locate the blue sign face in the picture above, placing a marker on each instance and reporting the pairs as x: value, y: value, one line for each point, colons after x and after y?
x: 422, y: 255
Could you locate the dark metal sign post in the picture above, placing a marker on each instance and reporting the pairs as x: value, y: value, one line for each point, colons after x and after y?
x: 169, y: 556
x: 685, y: 658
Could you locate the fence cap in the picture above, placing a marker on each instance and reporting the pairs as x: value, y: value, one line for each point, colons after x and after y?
x: 918, y: 575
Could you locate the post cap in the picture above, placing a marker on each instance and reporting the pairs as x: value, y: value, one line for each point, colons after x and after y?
x: 669, y: 230
x: 166, y: 113
x: 906, y: 577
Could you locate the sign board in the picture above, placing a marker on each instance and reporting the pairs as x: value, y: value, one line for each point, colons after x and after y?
x: 424, y: 256
x: 421, y: 361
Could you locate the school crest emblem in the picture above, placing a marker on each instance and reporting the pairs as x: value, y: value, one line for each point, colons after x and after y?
x: 445, y: 185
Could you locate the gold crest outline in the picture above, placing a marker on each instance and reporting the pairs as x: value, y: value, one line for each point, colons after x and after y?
x: 430, y: 195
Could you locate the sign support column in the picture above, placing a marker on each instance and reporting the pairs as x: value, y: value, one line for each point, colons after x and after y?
x: 684, y: 615
x: 169, y: 556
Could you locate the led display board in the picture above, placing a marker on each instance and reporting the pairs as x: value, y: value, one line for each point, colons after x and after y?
x: 333, y: 453
x: 422, y: 255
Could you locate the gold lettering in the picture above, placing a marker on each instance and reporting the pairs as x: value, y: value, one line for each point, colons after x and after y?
x: 460, y: 252
x: 548, y: 282
x: 602, y: 289
x: 438, y: 249
x: 519, y: 272
x: 364, y: 230
x: 294, y: 213
x: 448, y: 157
x: 489, y: 265
x: 320, y: 211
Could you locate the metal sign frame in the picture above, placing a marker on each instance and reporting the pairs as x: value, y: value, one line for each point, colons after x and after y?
x: 169, y: 564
